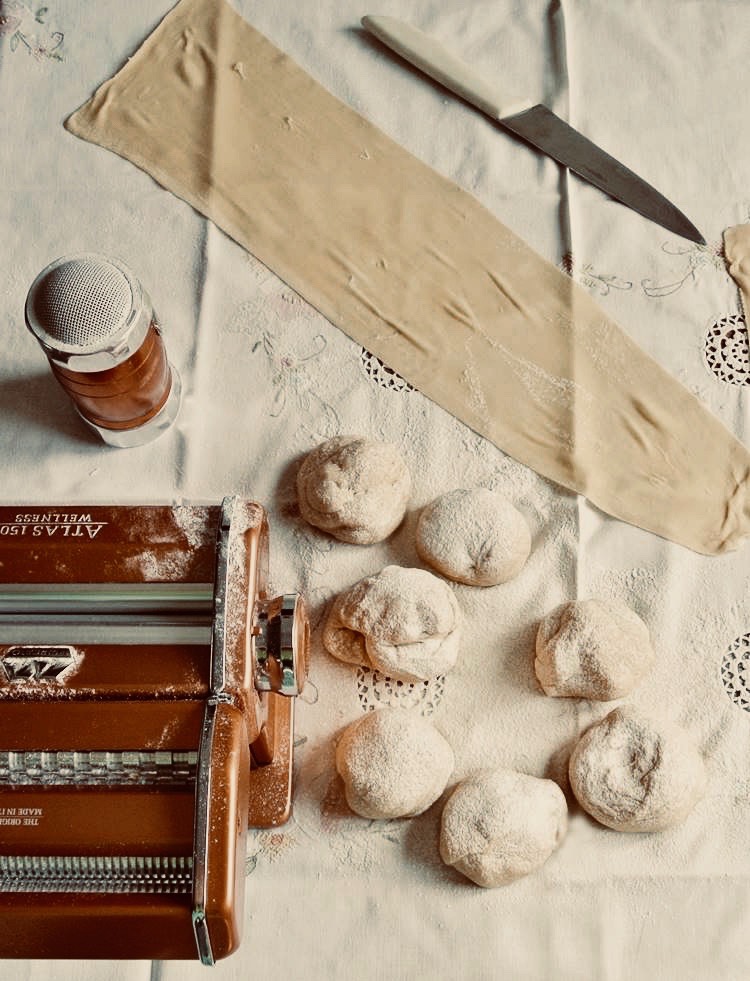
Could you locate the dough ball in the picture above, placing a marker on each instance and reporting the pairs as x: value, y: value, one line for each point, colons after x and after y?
x: 474, y: 536
x: 501, y: 825
x: 634, y: 774
x: 402, y: 622
x: 592, y: 649
x: 354, y: 488
x: 394, y: 764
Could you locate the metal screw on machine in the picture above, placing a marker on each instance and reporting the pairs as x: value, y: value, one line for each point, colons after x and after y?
x: 281, y: 641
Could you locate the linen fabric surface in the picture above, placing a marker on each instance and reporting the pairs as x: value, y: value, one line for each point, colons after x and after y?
x: 418, y: 272
x: 267, y: 377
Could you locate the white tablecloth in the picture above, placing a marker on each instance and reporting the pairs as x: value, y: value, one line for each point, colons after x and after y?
x: 660, y: 85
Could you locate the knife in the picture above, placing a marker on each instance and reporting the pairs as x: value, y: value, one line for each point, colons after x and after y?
x: 536, y: 124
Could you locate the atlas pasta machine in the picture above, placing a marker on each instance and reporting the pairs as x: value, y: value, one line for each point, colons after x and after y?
x: 145, y: 723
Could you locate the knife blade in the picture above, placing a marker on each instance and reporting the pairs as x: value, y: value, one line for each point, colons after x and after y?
x: 535, y: 124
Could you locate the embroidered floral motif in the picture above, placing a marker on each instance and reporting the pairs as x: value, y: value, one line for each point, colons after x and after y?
x: 271, y: 844
x: 727, y: 350
x: 735, y: 671
x: 287, y: 375
x: 313, y: 550
x: 27, y: 30
x: 275, y: 317
x: 696, y: 257
x: 602, y: 283
x: 353, y: 837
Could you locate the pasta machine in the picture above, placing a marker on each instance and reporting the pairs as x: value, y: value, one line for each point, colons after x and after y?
x: 147, y: 685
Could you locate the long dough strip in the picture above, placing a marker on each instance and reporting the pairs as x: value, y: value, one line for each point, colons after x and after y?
x: 419, y: 272
x: 737, y: 255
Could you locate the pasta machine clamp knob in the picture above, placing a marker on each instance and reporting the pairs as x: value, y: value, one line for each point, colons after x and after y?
x: 282, y: 635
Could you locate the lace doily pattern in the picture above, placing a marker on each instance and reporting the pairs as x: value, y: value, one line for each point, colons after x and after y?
x: 375, y: 690
x: 727, y: 350
x: 735, y: 671
x: 381, y: 374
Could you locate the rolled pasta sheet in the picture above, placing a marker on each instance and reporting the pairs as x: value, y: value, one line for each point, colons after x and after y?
x: 737, y: 255
x: 420, y: 273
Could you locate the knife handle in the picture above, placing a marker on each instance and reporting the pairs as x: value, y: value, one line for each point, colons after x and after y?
x: 431, y: 57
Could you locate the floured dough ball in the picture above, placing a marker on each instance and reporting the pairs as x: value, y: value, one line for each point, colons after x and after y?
x: 473, y: 536
x: 394, y: 764
x: 501, y: 825
x: 592, y: 648
x: 402, y: 622
x: 634, y: 774
x: 354, y: 488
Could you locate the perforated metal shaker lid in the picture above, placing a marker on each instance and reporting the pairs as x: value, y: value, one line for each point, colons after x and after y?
x: 88, y: 311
